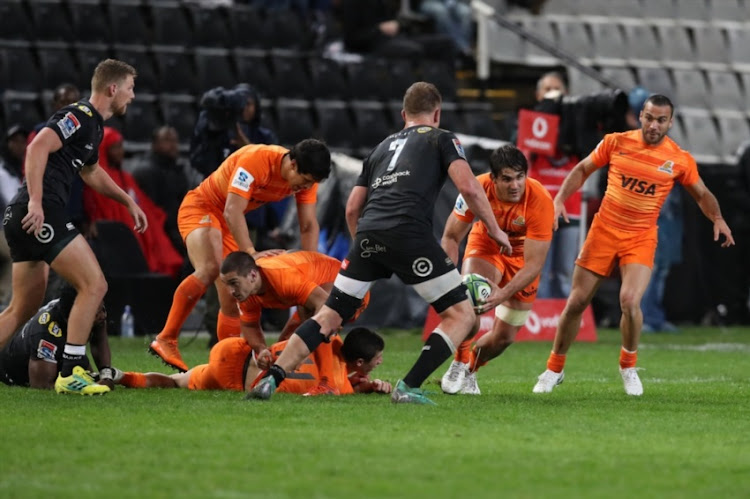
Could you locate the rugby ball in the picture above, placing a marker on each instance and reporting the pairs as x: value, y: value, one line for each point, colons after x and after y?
x: 478, y: 289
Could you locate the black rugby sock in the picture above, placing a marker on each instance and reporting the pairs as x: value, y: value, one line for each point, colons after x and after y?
x: 278, y: 374
x: 434, y: 353
x: 72, y: 356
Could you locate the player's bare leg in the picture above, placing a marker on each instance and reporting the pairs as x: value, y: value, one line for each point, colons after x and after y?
x: 635, y: 278
x: 29, y: 281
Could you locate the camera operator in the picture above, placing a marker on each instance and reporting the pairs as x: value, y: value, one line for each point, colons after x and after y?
x: 229, y: 119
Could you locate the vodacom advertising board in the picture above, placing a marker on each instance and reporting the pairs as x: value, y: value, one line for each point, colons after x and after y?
x: 537, y: 132
x: 540, y: 326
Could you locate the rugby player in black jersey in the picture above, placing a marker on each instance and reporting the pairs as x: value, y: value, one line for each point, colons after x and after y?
x: 389, y: 214
x: 37, y: 229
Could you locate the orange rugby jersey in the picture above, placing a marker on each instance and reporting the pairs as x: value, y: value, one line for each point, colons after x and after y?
x: 640, y: 178
x: 289, y: 280
x: 253, y: 172
x: 532, y: 216
x: 307, y: 375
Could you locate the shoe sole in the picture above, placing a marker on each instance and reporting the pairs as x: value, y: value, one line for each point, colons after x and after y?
x: 164, y: 361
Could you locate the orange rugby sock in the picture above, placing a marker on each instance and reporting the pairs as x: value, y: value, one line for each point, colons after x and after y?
x: 474, y: 362
x: 227, y: 326
x: 628, y: 359
x: 133, y: 380
x: 185, y: 297
x: 556, y: 362
x: 463, y: 352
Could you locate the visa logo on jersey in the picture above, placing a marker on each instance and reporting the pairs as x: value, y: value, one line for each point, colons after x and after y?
x: 638, y: 186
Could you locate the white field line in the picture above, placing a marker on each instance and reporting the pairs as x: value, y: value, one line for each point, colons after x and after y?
x: 706, y: 347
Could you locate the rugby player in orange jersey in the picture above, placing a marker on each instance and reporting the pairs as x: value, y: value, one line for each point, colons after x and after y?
x: 212, y: 223
x: 523, y: 210
x: 301, y: 278
x: 232, y: 365
x: 643, y: 167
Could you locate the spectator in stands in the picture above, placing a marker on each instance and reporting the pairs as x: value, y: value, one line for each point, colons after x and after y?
x: 166, y: 179
x: 160, y: 255
x: 64, y: 94
x: 12, y: 152
x: 551, y: 171
x: 451, y: 17
x: 229, y: 120
x: 375, y: 27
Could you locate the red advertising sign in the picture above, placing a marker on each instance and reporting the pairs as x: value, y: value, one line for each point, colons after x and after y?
x: 540, y: 326
x: 537, y: 132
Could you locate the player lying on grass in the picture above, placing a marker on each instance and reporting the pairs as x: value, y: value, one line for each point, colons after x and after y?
x: 33, y: 355
x: 233, y: 366
x: 523, y: 209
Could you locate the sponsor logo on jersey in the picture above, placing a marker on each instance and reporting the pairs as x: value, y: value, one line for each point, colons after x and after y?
x: 68, y: 125
x: 520, y: 220
x: 389, y: 179
x: 70, y: 226
x: 44, y: 318
x: 77, y: 164
x: 370, y: 249
x: 345, y: 264
x: 205, y: 220
x: 90, y: 147
x: 422, y: 267
x: 85, y: 109
x: 461, y: 207
x: 459, y: 148
x: 46, y: 234
x: 46, y: 351
x: 424, y: 129
x: 638, y: 186
x: 54, y: 329
x: 7, y: 215
x: 242, y: 179
x: 667, y: 167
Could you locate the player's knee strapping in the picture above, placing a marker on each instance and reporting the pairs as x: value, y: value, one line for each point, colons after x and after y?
x: 309, y: 332
x: 345, y: 305
x: 512, y: 316
x: 455, y: 295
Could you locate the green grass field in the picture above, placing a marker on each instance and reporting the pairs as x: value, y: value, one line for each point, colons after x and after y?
x: 688, y: 436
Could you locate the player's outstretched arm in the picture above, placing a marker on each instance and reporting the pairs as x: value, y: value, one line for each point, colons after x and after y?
x: 709, y: 205
x: 309, y: 229
x: 37, y: 154
x: 455, y: 231
x: 570, y: 185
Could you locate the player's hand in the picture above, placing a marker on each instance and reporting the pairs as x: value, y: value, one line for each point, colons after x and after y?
x: 264, y: 359
x: 261, y: 254
x: 721, y: 227
x: 501, y: 238
x: 380, y: 386
x: 141, y: 223
x: 497, y: 296
x: 560, y: 211
x: 34, y: 220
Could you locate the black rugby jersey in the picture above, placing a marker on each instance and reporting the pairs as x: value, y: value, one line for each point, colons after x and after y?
x: 404, y: 175
x: 80, y: 128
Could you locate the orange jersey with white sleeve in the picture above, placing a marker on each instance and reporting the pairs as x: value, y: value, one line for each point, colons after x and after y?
x: 640, y: 178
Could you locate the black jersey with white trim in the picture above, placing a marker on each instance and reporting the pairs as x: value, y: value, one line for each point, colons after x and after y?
x: 80, y: 128
x: 404, y: 175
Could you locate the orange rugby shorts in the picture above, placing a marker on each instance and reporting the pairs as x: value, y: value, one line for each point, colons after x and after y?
x: 225, y: 369
x: 605, y: 245
x: 507, y: 265
x: 195, y: 213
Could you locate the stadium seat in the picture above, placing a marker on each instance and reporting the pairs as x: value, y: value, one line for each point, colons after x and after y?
x: 676, y: 49
x: 609, y: 41
x: 294, y: 121
x: 734, y: 130
x: 690, y: 89
x: 176, y: 72
x: 214, y: 68
x: 22, y: 107
x: 582, y: 84
x: 642, y: 46
x: 725, y: 90
x: 252, y: 67
x: 745, y: 78
x: 694, y: 10
x: 42, y: 12
x: 656, y: 80
x: 451, y: 119
x: 504, y: 44
x: 268, y: 114
x: 129, y: 278
x: 89, y: 21
x: 561, y: 8
x: 290, y: 77
x: 442, y: 75
x: 710, y: 48
x: 574, y: 39
x: 739, y: 47
x: 246, y: 27
x: 284, y: 28
x: 625, y: 8
x: 127, y: 21
x: 372, y: 124
x: 142, y: 118
x: 677, y: 134
x: 140, y: 58
x: 171, y: 25
x: 328, y: 79
x: 702, y: 136
x: 210, y: 25
x: 479, y: 120
x: 20, y: 70
x: 181, y: 112
x: 16, y: 23
x: 57, y: 65
x: 663, y: 10
x: 726, y: 10
x: 368, y: 78
x: 542, y: 28
x: 87, y: 57
x: 622, y: 76
x: 336, y: 126
x: 402, y: 74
